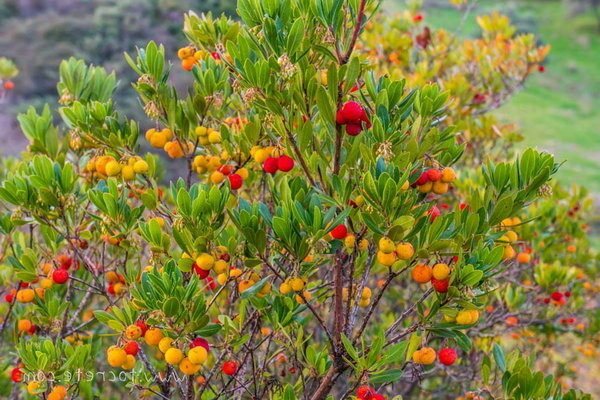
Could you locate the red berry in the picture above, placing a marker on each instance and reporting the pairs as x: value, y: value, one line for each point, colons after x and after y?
x: 365, y: 392
x: 352, y: 111
x: 567, y: 293
x: 210, y: 283
x: 142, y: 326
x: 200, y: 342
x: 546, y: 300
x: 285, y: 163
x: 9, y: 85
x: 132, y: 348
x: 270, y: 165
x: 423, y: 179
x: 111, y: 289
x: 202, y: 273
x: 235, y: 181
x: 433, y: 213
x: 541, y: 68
x: 215, y: 55
x: 9, y: 298
x: 440, y: 286
x: 378, y: 396
x: 462, y: 206
x: 340, y: 119
x: 60, y: 276
x: 229, y: 367
x: 434, y: 175
x: 557, y: 296
x: 447, y: 356
x: 64, y: 261
x: 339, y: 232
x: 418, y: 18
x: 225, y: 169
x: 353, y: 129
x: 16, y: 375
x: 32, y: 329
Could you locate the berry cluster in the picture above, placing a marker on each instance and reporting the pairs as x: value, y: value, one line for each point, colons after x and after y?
x: 354, y: 117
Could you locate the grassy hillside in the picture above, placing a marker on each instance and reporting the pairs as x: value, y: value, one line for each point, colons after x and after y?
x: 558, y: 111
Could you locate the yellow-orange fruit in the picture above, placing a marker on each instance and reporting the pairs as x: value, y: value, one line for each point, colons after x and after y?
x: 422, y: 273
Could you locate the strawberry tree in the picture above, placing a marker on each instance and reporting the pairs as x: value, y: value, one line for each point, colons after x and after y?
x: 318, y: 244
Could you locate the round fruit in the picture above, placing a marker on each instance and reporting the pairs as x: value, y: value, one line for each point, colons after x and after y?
x: 271, y: 165
x: 422, y: 273
x: 133, y: 332
x: 425, y: 356
x: 205, y: 261
x: 229, y: 367
x: 153, y: 336
x: 197, y: 355
x: 441, y: 271
x: 352, y: 111
x: 129, y: 362
x: 173, y: 356
x: 116, y: 357
x: 447, y: 356
x: 285, y: 163
x: 339, y: 232
x: 165, y: 344
x: 235, y: 181
x: 60, y: 276
x: 386, y: 245
x: 132, y: 348
x: 440, y: 286
x: 405, y: 251
x: 187, y: 367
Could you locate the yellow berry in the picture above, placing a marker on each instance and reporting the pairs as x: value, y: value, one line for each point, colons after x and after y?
x: 197, y: 355
x: 173, y: 356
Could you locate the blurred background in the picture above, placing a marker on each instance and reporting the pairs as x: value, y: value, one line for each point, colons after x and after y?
x: 557, y: 111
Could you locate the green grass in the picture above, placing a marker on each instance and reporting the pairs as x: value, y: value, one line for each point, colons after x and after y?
x: 559, y: 110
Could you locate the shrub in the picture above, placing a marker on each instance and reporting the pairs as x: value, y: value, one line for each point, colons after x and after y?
x: 326, y: 237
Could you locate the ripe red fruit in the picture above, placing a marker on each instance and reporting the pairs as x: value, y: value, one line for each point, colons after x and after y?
x: 352, y: 111
x: 462, y: 206
x: 567, y: 294
x: 132, y: 348
x: 143, y: 326
x: 270, y: 165
x: 434, y: 175
x: 9, y: 298
x: 285, y: 163
x: 210, y: 283
x: 32, y: 329
x: 200, y: 342
x: 9, y: 85
x: 418, y: 18
x: 111, y: 289
x: 423, y: 179
x: 60, y: 276
x: 225, y: 169
x: 229, y: 367
x: 353, y: 129
x: 64, y: 261
x: 541, y: 68
x: 16, y: 375
x: 202, y: 273
x: 447, y: 356
x: 339, y: 232
x: 378, y: 396
x: 557, y: 296
x: 433, y: 213
x: 365, y: 392
x: 340, y: 119
x: 235, y: 181
x: 440, y: 286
